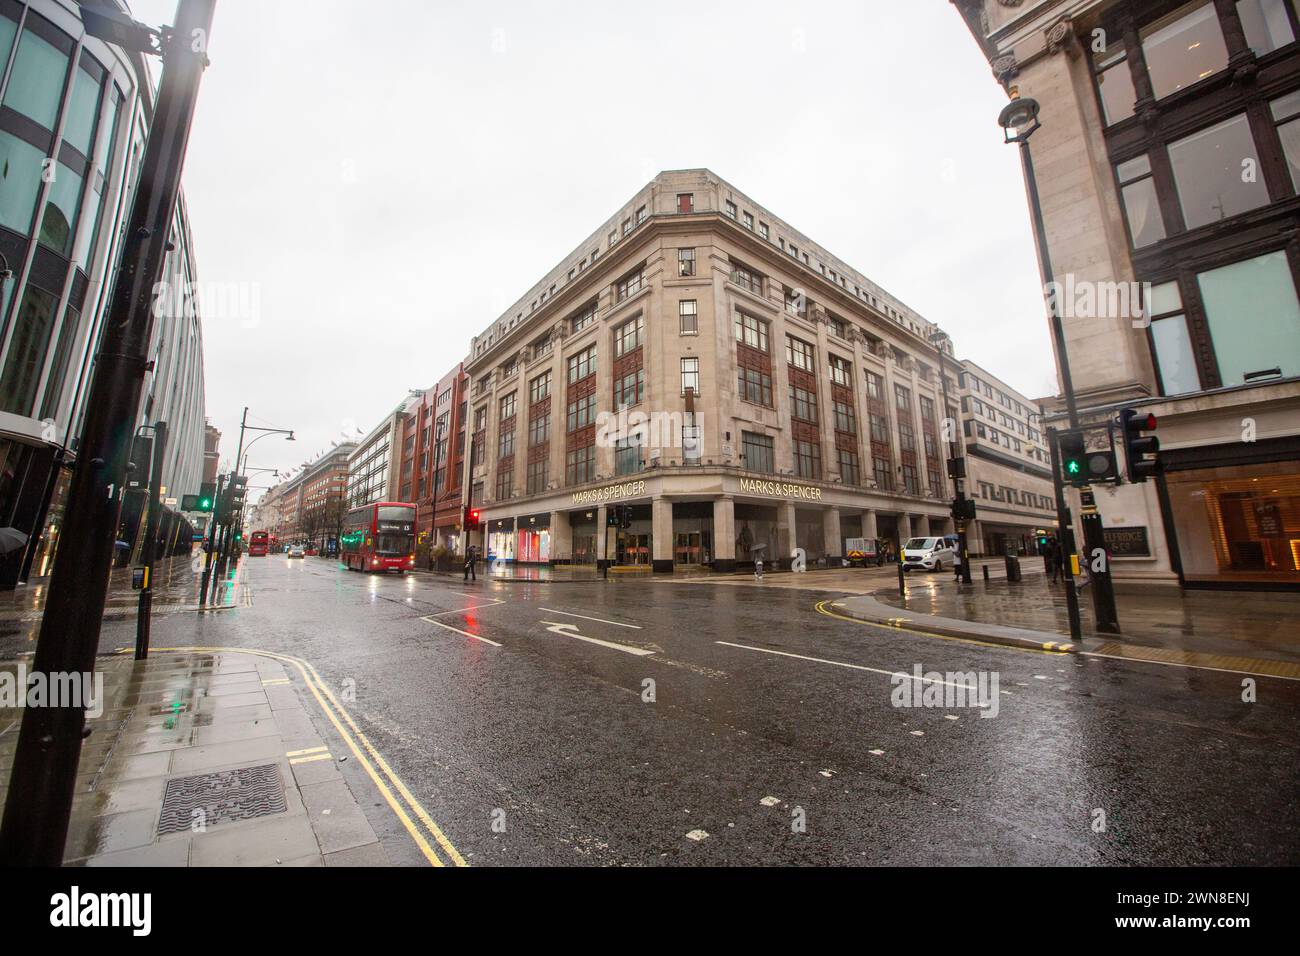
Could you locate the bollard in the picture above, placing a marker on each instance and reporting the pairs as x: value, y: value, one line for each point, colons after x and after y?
x: 986, y: 571
x: 902, y: 581
x: 1013, y: 568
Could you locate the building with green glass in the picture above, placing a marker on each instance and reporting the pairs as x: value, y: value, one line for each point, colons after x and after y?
x: 74, y: 118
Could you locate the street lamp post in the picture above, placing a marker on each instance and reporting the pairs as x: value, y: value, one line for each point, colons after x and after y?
x: 43, y: 779
x: 239, y: 460
x: 145, y: 609
x: 957, y: 465
x: 1019, y: 121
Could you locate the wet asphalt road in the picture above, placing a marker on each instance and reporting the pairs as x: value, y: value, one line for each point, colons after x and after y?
x: 743, y: 744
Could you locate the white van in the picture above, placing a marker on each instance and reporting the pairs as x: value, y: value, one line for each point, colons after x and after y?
x: 930, y: 554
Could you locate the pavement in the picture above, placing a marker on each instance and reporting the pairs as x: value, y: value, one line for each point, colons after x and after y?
x: 207, y: 759
x: 653, y: 721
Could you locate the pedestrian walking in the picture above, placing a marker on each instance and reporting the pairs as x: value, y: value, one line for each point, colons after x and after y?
x: 470, y: 574
x: 956, y: 562
x: 1058, y: 561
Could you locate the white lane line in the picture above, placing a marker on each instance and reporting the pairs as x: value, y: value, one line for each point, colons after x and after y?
x: 598, y: 620
x: 570, y: 630
x: 856, y: 667
x: 459, y: 631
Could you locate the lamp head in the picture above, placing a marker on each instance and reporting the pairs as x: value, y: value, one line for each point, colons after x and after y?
x: 1019, y: 118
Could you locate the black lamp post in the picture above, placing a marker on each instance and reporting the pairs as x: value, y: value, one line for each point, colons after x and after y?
x: 43, y: 778
x: 1019, y: 121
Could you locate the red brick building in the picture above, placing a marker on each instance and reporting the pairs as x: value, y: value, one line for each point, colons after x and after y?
x: 432, y: 449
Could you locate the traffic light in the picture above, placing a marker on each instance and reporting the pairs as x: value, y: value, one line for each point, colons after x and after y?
x: 612, y: 519
x: 473, y: 520
x: 624, y: 517
x: 1073, y: 450
x: 207, y: 496
x: 1081, y: 467
x: 956, y: 468
x: 1137, y: 445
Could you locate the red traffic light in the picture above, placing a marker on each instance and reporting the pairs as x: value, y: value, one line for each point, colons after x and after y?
x: 473, y: 515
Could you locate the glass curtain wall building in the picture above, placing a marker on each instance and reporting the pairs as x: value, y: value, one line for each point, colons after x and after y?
x: 74, y: 118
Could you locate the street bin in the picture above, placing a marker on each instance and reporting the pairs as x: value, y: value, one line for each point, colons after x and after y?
x: 1013, y: 568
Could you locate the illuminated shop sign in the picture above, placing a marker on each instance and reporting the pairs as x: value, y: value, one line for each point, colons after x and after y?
x: 780, y: 489
x: 629, y: 489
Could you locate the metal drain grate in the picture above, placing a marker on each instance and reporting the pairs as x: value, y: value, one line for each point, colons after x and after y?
x: 212, y: 798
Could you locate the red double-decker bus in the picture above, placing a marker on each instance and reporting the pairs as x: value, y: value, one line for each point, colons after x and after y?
x: 379, y: 537
x: 259, y: 542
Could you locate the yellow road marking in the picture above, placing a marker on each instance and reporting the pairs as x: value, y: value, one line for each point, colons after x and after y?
x: 312, y: 758
x: 309, y: 750
x: 276, y: 682
x: 1049, y: 648
x: 311, y: 678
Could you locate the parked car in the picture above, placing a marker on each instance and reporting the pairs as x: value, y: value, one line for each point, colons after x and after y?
x: 929, y: 554
x: 296, y: 551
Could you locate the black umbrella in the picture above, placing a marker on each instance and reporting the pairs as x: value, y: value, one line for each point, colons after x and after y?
x: 11, y: 539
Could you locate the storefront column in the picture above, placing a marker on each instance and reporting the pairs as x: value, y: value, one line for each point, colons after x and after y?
x: 869, y: 524
x: 832, y: 540
x: 561, y: 538
x: 904, y: 529
x: 786, y: 534
x: 724, y: 535
x: 604, y: 553
x: 974, y: 539
x: 661, y: 535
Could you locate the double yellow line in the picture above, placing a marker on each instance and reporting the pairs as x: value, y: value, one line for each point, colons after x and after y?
x: 383, y: 776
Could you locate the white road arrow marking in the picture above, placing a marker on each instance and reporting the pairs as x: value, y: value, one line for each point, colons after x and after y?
x: 571, y: 630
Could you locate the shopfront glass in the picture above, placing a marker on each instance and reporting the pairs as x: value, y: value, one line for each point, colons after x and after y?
x: 1238, y: 524
x: 501, y: 544
x: 533, y: 545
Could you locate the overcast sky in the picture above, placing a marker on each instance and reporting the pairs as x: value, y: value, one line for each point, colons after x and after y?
x: 390, y: 176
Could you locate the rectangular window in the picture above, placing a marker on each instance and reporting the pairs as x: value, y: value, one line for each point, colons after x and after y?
x: 748, y: 221
x: 879, y: 428
x: 1266, y: 24
x: 903, y: 398
x: 627, y: 456
x: 627, y: 337
x: 799, y: 354
x: 758, y: 452
x: 1209, y: 169
x: 686, y: 202
x: 630, y: 284
x: 881, y: 474
x: 841, y: 371
x: 849, y: 467
x: 875, y: 386
x: 755, y: 386
x: 763, y: 230
x: 910, y: 483
x: 584, y: 318
x: 835, y: 326
x: 803, y: 404
x: 1115, y: 83
x: 688, y: 317
x: 686, y: 262
x: 1173, y: 344
x: 627, y: 226
x: 506, y: 443
x: 1184, y: 47
x: 845, y: 419
x: 751, y: 331
x: 539, y: 388
x: 1141, y: 207
x: 505, y: 483
x: 582, y: 364
x: 630, y: 389
x: 640, y: 215
x: 807, y: 459
x: 1286, y: 113
x: 580, y: 465
x: 1254, y: 318
x: 506, y: 407
x: 582, y: 412
x: 691, y: 375
x: 796, y: 303
x: 731, y: 209
x: 746, y: 278
x: 539, y: 430
x: 537, y: 474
